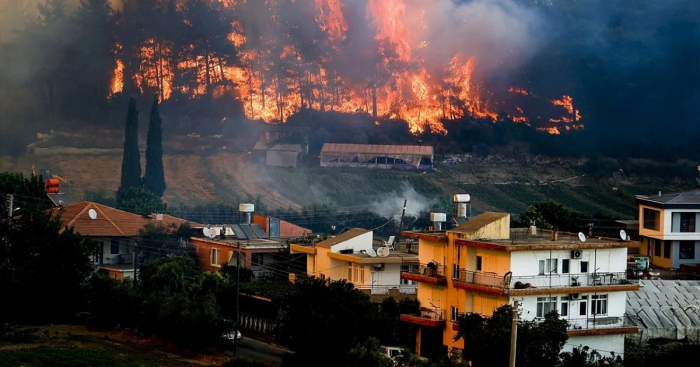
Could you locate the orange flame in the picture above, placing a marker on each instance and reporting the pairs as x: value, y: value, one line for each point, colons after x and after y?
x: 331, y: 19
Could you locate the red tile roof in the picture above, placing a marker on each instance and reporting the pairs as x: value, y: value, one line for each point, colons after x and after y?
x: 110, y: 222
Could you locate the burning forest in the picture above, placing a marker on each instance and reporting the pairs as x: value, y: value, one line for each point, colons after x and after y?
x: 384, y: 58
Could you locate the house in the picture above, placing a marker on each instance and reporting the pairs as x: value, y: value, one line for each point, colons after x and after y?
x: 352, y: 256
x: 114, y: 230
x: 482, y: 264
x: 669, y: 228
x: 259, y: 242
x: 283, y: 155
x: 377, y: 156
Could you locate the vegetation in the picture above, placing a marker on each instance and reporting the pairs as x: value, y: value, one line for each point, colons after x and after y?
x: 139, y: 200
x: 29, y: 192
x: 550, y: 215
x: 131, y: 163
x: 154, y: 179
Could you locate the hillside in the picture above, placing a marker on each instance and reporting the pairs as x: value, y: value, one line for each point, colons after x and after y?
x: 493, y: 182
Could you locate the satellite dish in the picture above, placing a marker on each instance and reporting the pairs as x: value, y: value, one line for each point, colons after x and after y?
x: 93, y: 214
x: 213, y: 232
x: 207, y: 232
x: 371, y: 252
x: 582, y: 237
x: 383, y: 251
x: 623, y: 234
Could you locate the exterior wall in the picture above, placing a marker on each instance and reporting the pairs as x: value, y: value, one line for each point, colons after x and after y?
x: 204, y: 254
x: 672, y: 230
x: 431, y: 251
x: 670, y: 235
x: 323, y: 262
x: 675, y: 254
x: 124, y: 255
x: 602, y: 343
x: 662, y: 225
x: 359, y: 243
x: 616, y: 302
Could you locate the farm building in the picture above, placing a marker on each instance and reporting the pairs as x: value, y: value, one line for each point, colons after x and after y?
x: 283, y: 155
x: 377, y: 156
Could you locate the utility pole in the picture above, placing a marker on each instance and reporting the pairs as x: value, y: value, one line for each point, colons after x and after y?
x: 513, y: 334
x: 403, y: 212
x: 10, y: 205
x: 238, y: 295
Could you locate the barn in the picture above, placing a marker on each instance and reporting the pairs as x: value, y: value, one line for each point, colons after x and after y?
x: 377, y: 156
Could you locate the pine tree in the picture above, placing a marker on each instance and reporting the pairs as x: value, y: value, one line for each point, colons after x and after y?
x: 131, y: 163
x: 154, y: 180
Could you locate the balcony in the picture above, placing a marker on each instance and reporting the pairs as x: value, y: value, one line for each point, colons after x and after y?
x: 601, y: 325
x: 431, y: 273
x: 489, y: 283
x: 384, y: 289
x: 430, y: 317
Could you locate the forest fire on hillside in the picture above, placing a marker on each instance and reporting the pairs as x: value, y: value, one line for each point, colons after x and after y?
x: 396, y: 72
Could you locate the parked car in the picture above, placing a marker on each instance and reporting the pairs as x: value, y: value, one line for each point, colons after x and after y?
x: 233, y: 335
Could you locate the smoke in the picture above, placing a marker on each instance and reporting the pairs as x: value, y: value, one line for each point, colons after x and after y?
x: 391, y: 204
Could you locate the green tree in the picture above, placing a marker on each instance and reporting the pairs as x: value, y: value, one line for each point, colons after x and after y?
x: 487, y: 340
x: 112, y: 303
x: 154, y: 179
x: 42, y: 261
x: 157, y: 241
x: 29, y: 192
x: 139, y: 200
x: 131, y: 162
x: 321, y: 321
x: 550, y: 215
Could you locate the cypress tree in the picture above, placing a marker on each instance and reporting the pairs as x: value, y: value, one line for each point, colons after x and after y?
x: 154, y: 180
x: 131, y: 163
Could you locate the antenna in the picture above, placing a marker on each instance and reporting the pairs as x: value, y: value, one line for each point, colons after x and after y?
x: 371, y: 252
x: 383, y: 251
x: 623, y: 235
x: 582, y: 237
x: 93, y: 214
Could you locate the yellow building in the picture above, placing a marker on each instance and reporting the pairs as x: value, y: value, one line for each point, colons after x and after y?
x: 483, y: 264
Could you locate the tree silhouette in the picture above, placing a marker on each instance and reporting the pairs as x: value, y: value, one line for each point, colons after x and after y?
x: 131, y: 163
x: 154, y: 179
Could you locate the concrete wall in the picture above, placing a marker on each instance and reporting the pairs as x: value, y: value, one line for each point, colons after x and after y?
x: 602, y: 343
x: 525, y: 263
x: 359, y: 243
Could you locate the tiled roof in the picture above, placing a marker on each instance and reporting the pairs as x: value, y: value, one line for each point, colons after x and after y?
x: 342, y: 237
x: 110, y: 222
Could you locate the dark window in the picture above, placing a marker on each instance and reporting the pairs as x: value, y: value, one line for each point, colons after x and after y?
x: 599, y: 304
x: 565, y: 266
x: 257, y: 259
x: 651, y: 219
x: 667, y: 249
x: 687, y: 222
x: 478, y: 263
x: 115, y: 247
x: 565, y: 309
x: 454, y: 314
x: 584, y: 266
x: 455, y: 271
x: 582, y: 308
x: 687, y: 250
x: 657, y: 248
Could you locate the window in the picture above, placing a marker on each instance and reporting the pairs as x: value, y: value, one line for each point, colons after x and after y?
x: 667, y: 249
x: 548, y: 266
x: 454, y: 314
x: 584, y: 266
x: 687, y: 222
x: 478, y: 263
x: 657, y: 247
x: 565, y: 266
x: 687, y: 250
x: 215, y: 254
x: 455, y: 271
x: 356, y: 274
x: 256, y: 259
x: 582, y: 306
x: 564, y: 306
x: 114, y: 250
x: 651, y: 219
x: 546, y: 305
x: 599, y: 304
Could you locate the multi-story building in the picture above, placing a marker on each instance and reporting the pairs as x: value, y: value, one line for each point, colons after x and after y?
x: 669, y: 228
x: 353, y: 257
x: 483, y: 264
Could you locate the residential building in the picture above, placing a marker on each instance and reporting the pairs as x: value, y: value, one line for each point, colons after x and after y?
x: 669, y: 228
x: 352, y: 256
x: 260, y: 243
x: 482, y: 264
x: 115, y: 232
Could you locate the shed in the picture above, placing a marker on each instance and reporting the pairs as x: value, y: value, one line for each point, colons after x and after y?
x: 377, y: 156
x: 283, y: 155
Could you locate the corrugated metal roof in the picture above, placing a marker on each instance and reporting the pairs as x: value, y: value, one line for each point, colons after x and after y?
x: 377, y: 149
x: 689, y: 197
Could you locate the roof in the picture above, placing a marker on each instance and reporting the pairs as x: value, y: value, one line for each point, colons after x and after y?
x: 670, y: 200
x: 342, y: 237
x: 668, y: 309
x: 110, y: 222
x: 377, y: 149
x: 521, y: 240
x: 286, y: 147
x: 479, y: 222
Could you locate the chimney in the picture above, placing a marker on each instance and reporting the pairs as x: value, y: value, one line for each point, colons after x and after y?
x: 438, y: 219
x: 533, y: 230
x: 555, y: 235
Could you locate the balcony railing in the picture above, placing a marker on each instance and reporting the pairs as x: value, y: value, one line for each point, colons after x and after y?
x: 569, y: 280
x: 599, y: 322
x: 434, y: 314
x: 432, y: 269
x: 384, y: 289
x: 487, y: 279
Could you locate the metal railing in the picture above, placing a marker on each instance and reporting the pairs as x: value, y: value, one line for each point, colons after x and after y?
x: 488, y: 279
x: 599, y: 322
x: 431, y: 269
x: 435, y: 314
x: 568, y: 280
x: 384, y: 289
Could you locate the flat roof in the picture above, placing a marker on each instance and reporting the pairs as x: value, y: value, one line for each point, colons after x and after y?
x: 377, y: 149
x: 521, y: 240
x: 672, y: 200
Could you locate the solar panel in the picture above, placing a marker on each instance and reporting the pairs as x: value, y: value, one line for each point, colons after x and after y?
x: 238, y: 231
x: 258, y: 230
x: 248, y: 232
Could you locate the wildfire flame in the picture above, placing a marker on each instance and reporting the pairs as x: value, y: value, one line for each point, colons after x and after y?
x: 273, y: 83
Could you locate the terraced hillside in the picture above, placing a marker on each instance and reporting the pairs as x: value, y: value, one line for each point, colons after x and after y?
x: 494, y: 184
